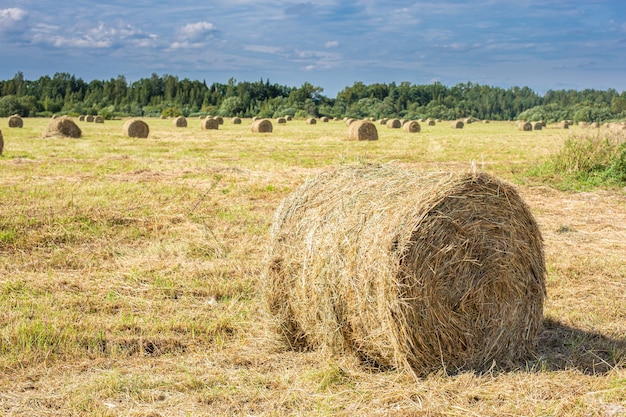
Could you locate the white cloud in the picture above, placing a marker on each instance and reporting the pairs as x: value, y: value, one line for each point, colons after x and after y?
x: 12, y: 19
x: 100, y: 36
x: 196, y: 32
x: 263, y: 49
x: 331, y: 44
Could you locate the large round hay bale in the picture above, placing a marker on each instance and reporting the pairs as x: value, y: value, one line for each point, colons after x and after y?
x: 393, y: 124
x: 236, y: 120
x: 457, y: 124
x: 180, y: 121
x: 262, y: 126
x: 62, y: 127
x: 136, y: 128
x: 16, y: 121
x: 362, y: 130
x: 209, y: 123
x: 524, y: 126
x: 411, y: 126
x: 418, y: 271
x: 98, y: 119
x: 311, y: 121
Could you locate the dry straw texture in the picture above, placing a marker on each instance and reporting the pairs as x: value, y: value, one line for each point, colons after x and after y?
x: 524, y: 126
x: 457, y: 124
x: 136, y: 128
x: 262, y: 126
x: 362, y: 130
x: 311, y: 121
x: 62, y: 127
x: 411, y: 126
x: 409, y: 270
x: 209, y: 123
x: 16, y: 121
x: 394, y: 124
x: 180, y: 121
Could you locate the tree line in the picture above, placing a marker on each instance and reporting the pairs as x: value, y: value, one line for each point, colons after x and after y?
x: 168, y: 95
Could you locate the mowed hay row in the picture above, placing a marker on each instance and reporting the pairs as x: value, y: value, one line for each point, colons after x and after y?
x: 411, y: 126
x: 62, y: 127
x: 180, y: 121
x: 16, y: 121
x: 417, y: 271
x: 136, y: 128
x: 209, y: 123
x: 262, y: 126
x: 361, y: 130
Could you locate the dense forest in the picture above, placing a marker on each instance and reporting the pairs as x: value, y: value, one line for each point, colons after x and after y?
x: 168, y: 95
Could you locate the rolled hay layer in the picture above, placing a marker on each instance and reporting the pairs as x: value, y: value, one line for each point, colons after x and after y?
x: 180, y: 121
x: 411, y: 126
x: 16, y: 121
x: 209, y: 123
x: 457, y: 124
x: 362, y: 130
x: 524, y: 126
x: 262, y: 126
x: 393, y: 124
x: 62, y: 127
x: 135, y: 128
x: 408, y: 270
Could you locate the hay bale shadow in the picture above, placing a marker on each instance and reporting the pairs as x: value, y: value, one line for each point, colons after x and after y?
x: 562, y: 347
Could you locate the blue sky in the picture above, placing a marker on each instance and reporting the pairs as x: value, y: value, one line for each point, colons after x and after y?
x: 542, y: 44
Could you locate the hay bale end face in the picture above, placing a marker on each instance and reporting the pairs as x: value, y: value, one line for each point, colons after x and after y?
x: 209, y: 124
x: 180, y: 121
x: 62, y: 127
x: 393, y: 124
x: 236, y: 120
x: 98, y: 119
x: 16, y: 121
x: 136, y: 128
x: 261, y: 126
x: 89, y: 118
x: 457, y: 124
x: 524, y: 126
x: 362, y: 130
x: 311, y: 121
x: 411, y: 126
x: 410, y: 270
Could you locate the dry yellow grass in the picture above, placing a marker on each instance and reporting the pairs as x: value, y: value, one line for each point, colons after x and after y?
x: 129, y: 276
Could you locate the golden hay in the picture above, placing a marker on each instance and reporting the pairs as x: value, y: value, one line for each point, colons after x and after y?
x: 180, y: 121
x: 536, y: 125
x: 89, y: 118
x: 393, y: 124
x: 98, y: 119
x: 236, y: 120
x: 564, y: 124
x: 324, y: 119
x: 362, y: 130
x: 311, y: 121
x: 62, y: 127
x: 524, y: 126
x: 281, y: 120
x: 457, y: 124
x: 288, y: 117
x: 348, y: 121
x: 1, y: 143
x: 16, y: 121
x: 262, y: 126
x: 411, y: 126
x: 209, y: 123
x: 136, y: 128
x: 430, y: 122
x: 81, y: 118
x: 417, y: 271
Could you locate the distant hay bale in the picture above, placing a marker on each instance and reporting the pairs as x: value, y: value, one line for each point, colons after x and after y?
x: 457, y: 124
x: 220, y: 120
x: 324, y: 119
x: 485, y: 121
x: 564, y: 124
x: 81, y: 118
x: 281, y: 120
x: 262, y: 126
x: 255, y: 118
x: 430, y: 122
x: 393, y: 124
x: 62, y: 127
x: 236, y: 120
x: 536, y: 125
x: 524, y: 126
x: 411, y: 126
x: 311, y: 121
x: 584, y: 125
x: 89, y: 118
x: 16, y: 121
x: 383, y: 121
x: 288, y: 117
x: 98, y: 119
x: 136, y: 128
x: 209, y: 123
x: 180, y: 121
x: 362, y: 130
x: 594, y: 125
x: 417, y: 271
x: 348, y: 121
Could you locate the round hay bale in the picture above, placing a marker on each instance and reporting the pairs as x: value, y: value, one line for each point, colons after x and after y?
x: 362, y: 130
x: 407, y: 270
x: 16, y: 121
x: 62, y: 127
x: 583, y: 125
x: 288, y: 117
x: 236, y: 120
x: 524, y: 126
x: 1, y: 143
x: 411, y: 126
x: 348, y: 121
x: 136, y: 128
x: 324, y: 119
x: 220, y: 120
x: 262, y: 126
x: 595, y: 125
x: 281, y: 120
x: 430, y: 122
x: 564, y: 124
x: 457, y: 124
x: 98, y: 119
x: 383, y: 121
x: 311, y: 121
x: 180, y: 121
x: 89, y: 118
x: 536, y: 125
x: 393, y: 124
x: 81, y: 118
x: 209, y: 123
